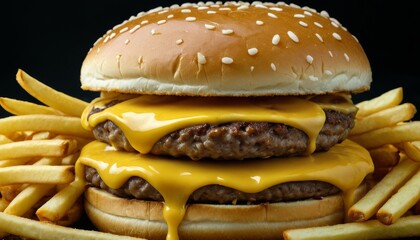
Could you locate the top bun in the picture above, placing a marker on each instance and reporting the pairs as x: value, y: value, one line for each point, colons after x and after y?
x: 231, y: 49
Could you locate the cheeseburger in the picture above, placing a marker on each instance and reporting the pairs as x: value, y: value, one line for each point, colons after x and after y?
x: 223, y: 121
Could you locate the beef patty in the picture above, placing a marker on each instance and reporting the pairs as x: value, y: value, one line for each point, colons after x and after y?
x: 139, y: 188
x: 236, y: 140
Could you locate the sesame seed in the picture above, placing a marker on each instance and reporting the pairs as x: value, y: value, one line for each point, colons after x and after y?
x: 209, y: 26
x: 252, y: 68
x: 170, y: 16
x: 162, y: 12
x: 179, y: 41
x: 331, y: 54
x: 355, y: 38
x: 127, y: 41
x: 273, y: 67
x: 319, y: 37
x: 190, y: 19
x: 335, y: 24
x: 144, y: 22
x: 293, y: 36
x: 202, y: 8
x: 325, y: 14
x: 225, y: 9
x: 153, y: 31
x: 336, y: 36
x: 294, y: 5
x: 259, y: 23
x: 276, y: 9
x: 260, y: 6
x: 215, y: 5
x: 201, y: 58
x: 227, y: 31
x: 134, y: 28
x: 242, y: 7
x: 211, y: 12
x: 186, y: 10
x: 318, y: 24
x: 227, y: 60
x: 252, y: 51
x: 106, y: 39
x: 347, y: 57
x: 272, y: 15
x: 161, y: 22
x: 281, y: 3
x: 307, y: 13
x: 313, y: 78
x: 309, y: 59
x: 302, y: 23
x: 112, y: 35
x: 124, y: 30
x: 276, y: 39
x: 328, y: 72
x: 299, y: 16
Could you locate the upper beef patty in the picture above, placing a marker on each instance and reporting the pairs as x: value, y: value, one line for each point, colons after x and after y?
x: 236, y: 140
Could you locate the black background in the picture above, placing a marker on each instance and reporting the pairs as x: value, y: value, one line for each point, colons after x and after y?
x: 50, y: 41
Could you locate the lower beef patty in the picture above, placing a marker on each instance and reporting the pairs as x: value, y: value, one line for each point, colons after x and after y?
x: 237, y: 140
x: 139, y: 188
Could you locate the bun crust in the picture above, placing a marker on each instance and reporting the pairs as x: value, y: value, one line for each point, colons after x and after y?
x: 205, y: 221
x: 235, y: 49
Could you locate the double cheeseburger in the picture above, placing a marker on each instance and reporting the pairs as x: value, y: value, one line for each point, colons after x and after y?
x: 223, y: 121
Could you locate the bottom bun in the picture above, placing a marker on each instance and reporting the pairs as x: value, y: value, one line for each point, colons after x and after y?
x: 144, y: 219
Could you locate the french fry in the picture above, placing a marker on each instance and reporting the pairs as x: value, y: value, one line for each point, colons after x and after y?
x: 373, y: 229
x: 18, y: 107
x: 3, y: 204
x: 406, y: 197
x: 386, y: 100
x: 55, y: 99
x: 36, y: 174
x: 41, y: 230
x: 405, y: 132
x: 385, y: 156
x: 4, y: 139
x: 72, y: 215
x: 412, y: 149
x: 387, y: 117
x: 366, y: 207
x: 38, y: 122
x: 34, y: 148
x: 27, y: 198
x: 14, y: 162
x: 11, y: 191
x: 56, y: 207
x: 42, y: 135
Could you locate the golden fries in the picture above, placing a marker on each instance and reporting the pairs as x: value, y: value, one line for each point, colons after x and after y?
x: 412, y: 149
x: 26, y: 199
x: 38, y: 122
x: 389, y: 99
x: 17, y: 107
x: 40, y: 230
x: 406, y: 197
x: 57, y: 100
x: 55, y: 208
x: 35, y: 148
x: 366, y: 207
x: 36, y: 174
x: 404, y: 132
x: 373, y: 229
x: 384, y: 118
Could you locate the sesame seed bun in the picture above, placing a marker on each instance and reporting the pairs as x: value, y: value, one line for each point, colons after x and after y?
x: 235, y: 49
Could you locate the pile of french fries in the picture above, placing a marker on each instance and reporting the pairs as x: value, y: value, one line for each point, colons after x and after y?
x: 391, y: 208
x: 39, y: 145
